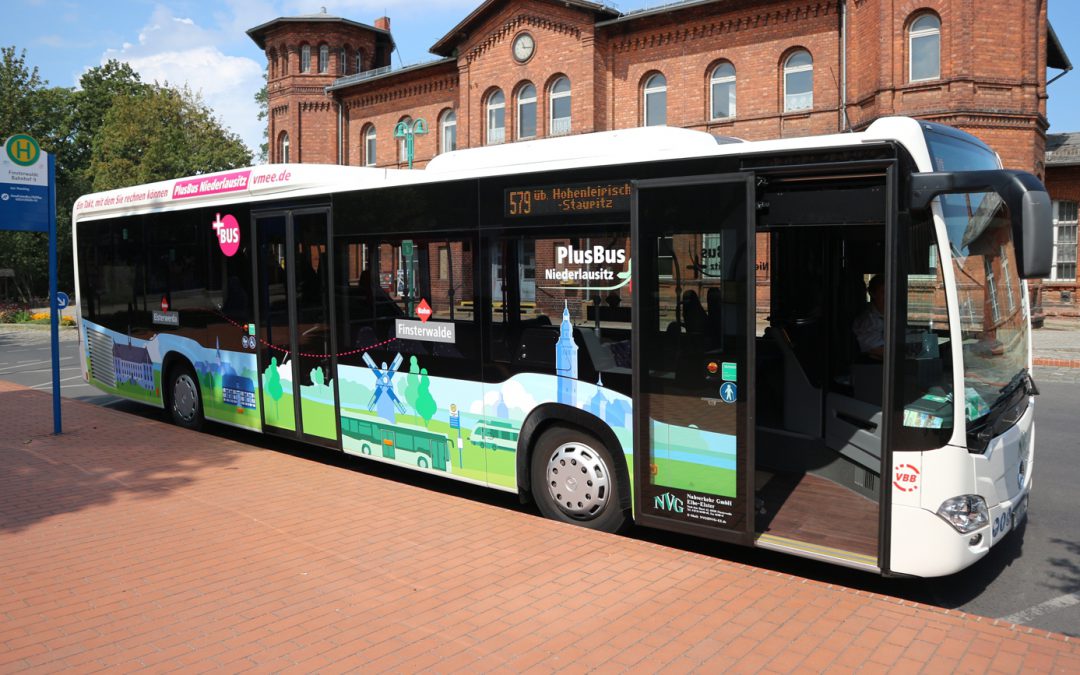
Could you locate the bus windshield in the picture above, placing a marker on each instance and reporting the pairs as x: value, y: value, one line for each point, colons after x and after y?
x: 993, y: 322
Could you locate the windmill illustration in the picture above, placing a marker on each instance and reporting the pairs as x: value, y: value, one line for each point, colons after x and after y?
x: 383, y: 376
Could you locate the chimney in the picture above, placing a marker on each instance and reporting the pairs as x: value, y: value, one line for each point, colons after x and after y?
x: 383, y: 23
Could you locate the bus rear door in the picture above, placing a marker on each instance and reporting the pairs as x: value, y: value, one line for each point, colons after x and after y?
x: 692, y: 248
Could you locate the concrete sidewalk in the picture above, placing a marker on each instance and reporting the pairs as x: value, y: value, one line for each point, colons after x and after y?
x: 129, y: 544
x: 1057, y: 343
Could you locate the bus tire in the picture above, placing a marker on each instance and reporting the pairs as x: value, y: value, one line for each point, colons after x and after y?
x: 185, y: 398
x: 574, y: 480
x: 422, y: 462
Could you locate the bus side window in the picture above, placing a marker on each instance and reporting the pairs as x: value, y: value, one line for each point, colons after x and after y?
x: 547, y: 290
x: 925, y: 363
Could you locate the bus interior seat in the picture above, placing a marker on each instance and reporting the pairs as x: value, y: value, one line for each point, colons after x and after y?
x: 852, y: 428
x: 600, y: 355
x: 802, y: 400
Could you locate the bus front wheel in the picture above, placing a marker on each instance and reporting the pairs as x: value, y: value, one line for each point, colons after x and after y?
x: 573, y: 480
x: 185, y: 401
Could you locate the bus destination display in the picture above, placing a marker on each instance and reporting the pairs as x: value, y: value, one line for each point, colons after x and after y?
x: 579, y: 198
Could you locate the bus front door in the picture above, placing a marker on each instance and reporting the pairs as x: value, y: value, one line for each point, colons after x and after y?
x: 692, y: 248
x: 293, y: 333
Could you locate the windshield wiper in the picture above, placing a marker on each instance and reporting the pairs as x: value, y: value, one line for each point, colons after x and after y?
x: 980, y: 431
x: 1021, y: 378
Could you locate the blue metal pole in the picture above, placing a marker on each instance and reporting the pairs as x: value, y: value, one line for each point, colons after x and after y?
x: 54, y: 310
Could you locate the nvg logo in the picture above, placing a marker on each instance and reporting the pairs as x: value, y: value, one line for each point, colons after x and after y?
x: 668, y: 502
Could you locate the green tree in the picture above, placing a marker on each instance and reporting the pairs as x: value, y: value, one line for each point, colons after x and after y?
x: 28, y: 106
x: 425, y: 404
x: 412, y: 383
x: 161, y: 134
x: 273, y: 383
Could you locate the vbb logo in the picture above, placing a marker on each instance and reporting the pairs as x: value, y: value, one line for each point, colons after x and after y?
x: 906, y: 478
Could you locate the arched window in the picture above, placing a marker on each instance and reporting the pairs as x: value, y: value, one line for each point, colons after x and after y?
x: 369, y: 145
x: 283, y: 148
x: 284, y: 62
x: 799, y: 81
x: 448, y: 131
x: 924, y: 48
x: 526, y: 112
x: 560, y: 107
x: 359, y: 60
x: 496, y: 117
x: 402, y: 149
x: 272, y: 63
x: 722, y: 91
x: 324, y: 59
x: 305, y: 59
x: 656, y: 100
x: 342, y: 63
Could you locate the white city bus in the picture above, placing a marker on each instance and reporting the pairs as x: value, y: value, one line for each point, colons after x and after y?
x: 659, y: 323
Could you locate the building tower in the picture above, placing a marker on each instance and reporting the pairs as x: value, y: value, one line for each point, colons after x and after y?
x: 566, y: 359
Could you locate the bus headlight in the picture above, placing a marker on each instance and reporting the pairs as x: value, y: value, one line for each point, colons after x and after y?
x: 965, y: 513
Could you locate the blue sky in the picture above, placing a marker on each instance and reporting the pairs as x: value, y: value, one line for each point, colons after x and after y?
x: 204, y: 45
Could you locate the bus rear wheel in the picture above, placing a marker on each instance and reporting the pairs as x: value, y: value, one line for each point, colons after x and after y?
x: 573, y: 480
x: 185, y: 399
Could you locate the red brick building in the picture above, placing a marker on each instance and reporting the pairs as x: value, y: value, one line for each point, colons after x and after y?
x: 757, y: 69
x: 749, y: 68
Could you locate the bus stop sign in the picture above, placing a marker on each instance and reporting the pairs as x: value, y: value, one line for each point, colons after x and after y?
x: 24, y: 186
x: 28, y: 204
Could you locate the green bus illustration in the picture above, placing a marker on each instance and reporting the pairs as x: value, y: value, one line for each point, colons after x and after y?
x: 400, y: 442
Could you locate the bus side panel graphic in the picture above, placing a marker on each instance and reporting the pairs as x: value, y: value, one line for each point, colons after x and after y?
x: 480, y: 438
x: 131, y: 368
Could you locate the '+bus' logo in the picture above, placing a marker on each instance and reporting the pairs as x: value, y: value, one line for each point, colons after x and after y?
x: 23, y: 150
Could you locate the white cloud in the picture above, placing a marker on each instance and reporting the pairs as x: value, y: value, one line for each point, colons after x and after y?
x: 179, y: 51
x: 513, y: 394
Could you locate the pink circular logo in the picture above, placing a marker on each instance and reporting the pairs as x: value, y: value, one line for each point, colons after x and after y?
x: 228, y: 234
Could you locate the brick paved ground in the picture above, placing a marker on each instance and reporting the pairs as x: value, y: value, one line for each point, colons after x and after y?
x: 128, y: 544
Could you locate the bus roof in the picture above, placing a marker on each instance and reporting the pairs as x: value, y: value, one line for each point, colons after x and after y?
x: 274, y: 181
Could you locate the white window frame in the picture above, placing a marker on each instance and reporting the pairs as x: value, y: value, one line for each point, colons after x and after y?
x: 1064, y: 218
x: 1004, y: 253
x: 359, y: 60
x: 401, y: 149
x: 495, y: 135
x: 522, y: 101
x: 991, y: 289
x: 715, y: 81
x: 794, y: 70
x: 324, y: 59
x: 283, y: 147
x: 652, y: 89
x: 343, y: 61
x: 918, y: 33
x: 447, y: 131
x: 369, y: 146
x: 305, y: 58
x: 559, y: 126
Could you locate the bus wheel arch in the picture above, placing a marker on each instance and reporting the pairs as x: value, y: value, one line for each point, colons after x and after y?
x: 555, y: 422
x: 180, y: 380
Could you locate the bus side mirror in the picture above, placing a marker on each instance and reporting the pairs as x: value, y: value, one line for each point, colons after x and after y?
x: 1024, y: 196
x: 1034, y: 250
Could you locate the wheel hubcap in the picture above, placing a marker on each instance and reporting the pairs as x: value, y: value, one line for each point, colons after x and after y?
x: 185, y: 397
x: 578, y: 480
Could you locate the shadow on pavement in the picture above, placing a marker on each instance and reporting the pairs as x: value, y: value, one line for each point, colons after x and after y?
x: 102, y: 456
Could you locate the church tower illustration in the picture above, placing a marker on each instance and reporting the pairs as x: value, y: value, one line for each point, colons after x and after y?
x: 566, y: 359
